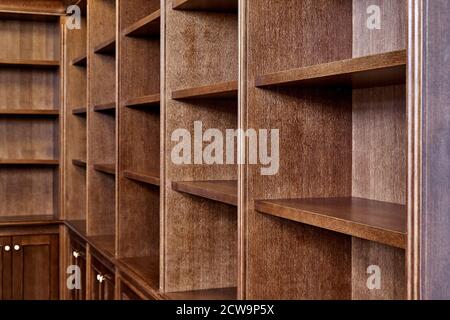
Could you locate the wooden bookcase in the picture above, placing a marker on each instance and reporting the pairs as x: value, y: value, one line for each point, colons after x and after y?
x: 30, y: 101
x: 338, y: 204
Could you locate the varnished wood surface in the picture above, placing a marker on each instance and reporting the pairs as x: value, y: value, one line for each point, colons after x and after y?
x: 24, y: 63
x: 213, y: 91
x: 372, y: 220
x: 209, y: 294
x: 221, y: 191
x: 77, y: 226
x: 105, y: 107
x: 105, y: 244
x: 150, y: 178
x: 147, y: 268
x: 148, y: 26
x: 152, y: 100
x: 106, y: 168
x: 55, y: 7
x: 108, y: 47
x: 82, y: 111
x: 206, y: 5
x: 370, y: 71
x: 31, y: 162
x: 29, y: 112
x: 37, y: 17
x: 79, y: 163
x: 80, y: 61
x: 34, y: 220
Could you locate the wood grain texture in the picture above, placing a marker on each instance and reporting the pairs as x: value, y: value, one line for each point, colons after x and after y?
x: 210, y: 294
x: 372, y: 220
x: 221, y: 191
x: 315, y: 160
x: 147, y: 102
x: 369, y: 71
x: 29, y: 112
x: 148, y: 26
x: 38, y: 6
x: 200, y: 235
x: 214, y: 91
x: 150, y: 178
x: 206, y: 5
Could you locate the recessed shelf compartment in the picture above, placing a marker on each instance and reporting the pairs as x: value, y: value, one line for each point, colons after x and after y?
x: 28, y: 162
x: 78, y: 226
x: 107, y: 47
x: 79, y: 111
x: 376, y: 221
x: 221, y: 191
x: 30, y: 112
x: 79, y: 163
x: 230, y: 6
x: 214, y: 91
x: 109, y: 107
x: 80, y: 62
x: 144, y: 102
x: 23, y: 63
x: 369, y: 71
x: 147, y: 268
x: 149, y: 178
x: 222, y: 294
x: 31, y: 16
x: 106, y: 168
x: 147, y: 27
x: 105, y: 244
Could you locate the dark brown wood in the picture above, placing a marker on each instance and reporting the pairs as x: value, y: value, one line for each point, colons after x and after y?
x: 214, y: 91
x: 28, y: 162
x: 150, y: 178
x: 77, y: 257
x: 209, y: 294
x: 23, y: 63
x: 35, y: 17
x: 79, y: 111
x: 146, y: 268
x: 103, y: 281
x: 362, y: 72
x: 105, y: 168
x: 80, y: 61
x: 206, y: 5
x: 221, y: 191
x: 105, y: 107
x: 148, y: 26
x: 34, y: 220
x: 29, y: 112
x: 5, y: 269
x: 144, y: 102
x: 108, y: 47
x: 79, y: 163
x: 367, y: 219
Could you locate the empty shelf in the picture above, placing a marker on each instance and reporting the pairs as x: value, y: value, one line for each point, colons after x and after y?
x: 370, y: 71
x: 31, y: 16
x: 149, y: 178
x: 31, y: 162
x: 108, y: 47
x: 218, y: 90
x: 22, y: 63
x: 105, y: 244
x: 222, y: 191
x: 79, y: 111
x: 28, y: 220
x: 209, y: 294
x: 148, y: 26
x: 147, y: 268
x: 367, y: 219
x: 77, y: 226
x: 29, y: 112
x: 105, y: 168
x: 79, y: 163
x: 80, y: 62
x: 105, y: 107
x: 152, y: 100
x: 207, y: 5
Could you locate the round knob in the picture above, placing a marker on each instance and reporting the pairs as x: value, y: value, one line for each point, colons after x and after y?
x: 7, y: 248
x: 16, y: 247
x: 76, y: 254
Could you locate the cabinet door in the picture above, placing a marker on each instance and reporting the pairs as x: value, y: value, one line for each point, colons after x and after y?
x: 35, y: 267
x: 5, y: 269
x: 77, y: 252
x: 103, y: 283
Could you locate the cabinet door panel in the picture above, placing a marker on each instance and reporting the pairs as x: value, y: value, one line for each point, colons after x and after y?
x: 35, y: 267
x: 5, y: 269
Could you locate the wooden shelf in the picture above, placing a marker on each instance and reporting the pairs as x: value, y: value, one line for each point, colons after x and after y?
x: 217, y: 91
x: 370, y: 71
x: 147, y: 27
x: 107, y: 48
x: 147, y: 268
x: 77, y: 226
x: 152, y: 100
x: 79, y: 163
x: 221, y: 191
x: 109, y: 107
x: 29, y: 112
x: 371, y: 220
x: 80, y: 62
x: 23, y: 63
x: 29, y: 162
x: 105, y: 168
x: 106, y: 244
x: 79, y: 111
x: 31, y: 16
x: 211, y: 294
x: 149, y: 178
x: 206, y: 5
x: 10, y: 221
